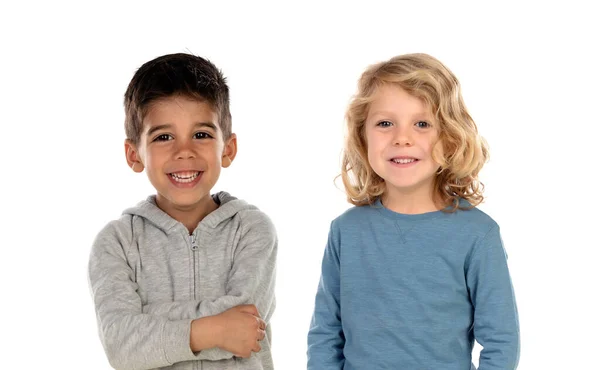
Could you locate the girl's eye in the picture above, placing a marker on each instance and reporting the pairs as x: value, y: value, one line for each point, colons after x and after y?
x: 384, y: 124
x: 163, y: 137
x: 422, y: 124
x: 202, y: 135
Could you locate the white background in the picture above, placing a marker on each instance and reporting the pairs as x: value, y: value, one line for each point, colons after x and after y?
x: 530, y: 79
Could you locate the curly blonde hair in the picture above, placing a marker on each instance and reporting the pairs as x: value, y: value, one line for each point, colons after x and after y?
x: 460, y: 151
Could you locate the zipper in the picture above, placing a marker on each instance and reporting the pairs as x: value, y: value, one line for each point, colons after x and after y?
x: 193, y: 242
x: 194, y: 248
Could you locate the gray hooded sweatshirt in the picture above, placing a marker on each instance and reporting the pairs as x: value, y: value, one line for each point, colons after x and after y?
x: 150, y: 278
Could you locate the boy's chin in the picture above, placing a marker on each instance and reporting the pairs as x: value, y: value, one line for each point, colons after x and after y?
x: 185, y: 200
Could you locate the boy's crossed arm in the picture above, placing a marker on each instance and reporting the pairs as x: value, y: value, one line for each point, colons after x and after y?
x: 162, y: 334
x: 251, y: 282
x: 233, y: 332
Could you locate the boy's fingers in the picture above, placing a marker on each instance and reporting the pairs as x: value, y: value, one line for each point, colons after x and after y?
x: 261, y: 335
x: 262, y: 325
x: 249, y: 308
x: 257, y: 347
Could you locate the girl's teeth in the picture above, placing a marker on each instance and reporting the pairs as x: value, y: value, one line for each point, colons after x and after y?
x: 403, y: 161
x: 185, y: 177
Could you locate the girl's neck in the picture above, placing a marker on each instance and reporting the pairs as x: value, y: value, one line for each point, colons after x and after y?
x: 407, y: 202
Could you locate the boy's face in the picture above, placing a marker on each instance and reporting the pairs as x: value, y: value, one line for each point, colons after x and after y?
x: 182, y: 150
x: 401, y: 132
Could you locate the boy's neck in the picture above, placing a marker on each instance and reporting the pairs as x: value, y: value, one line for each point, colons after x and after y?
x: 410, y: 202
x: 190, y: 216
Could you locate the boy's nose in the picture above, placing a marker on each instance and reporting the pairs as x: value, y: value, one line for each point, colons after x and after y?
x: 184, y: 151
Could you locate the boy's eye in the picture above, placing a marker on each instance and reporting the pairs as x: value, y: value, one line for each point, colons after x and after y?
x: 422, y: 124
x: 384, y: 123
x: 202, y: 135
x: 163, y: 137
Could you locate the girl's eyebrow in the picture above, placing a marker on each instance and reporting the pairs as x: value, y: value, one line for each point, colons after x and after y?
x: 422, y: 114
x: 380, y: 113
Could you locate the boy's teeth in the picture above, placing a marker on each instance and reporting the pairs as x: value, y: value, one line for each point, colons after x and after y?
x: 403, y: 161
x: 185, y: 176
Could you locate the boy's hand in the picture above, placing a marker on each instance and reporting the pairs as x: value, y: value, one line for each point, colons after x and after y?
x: 239, y: 330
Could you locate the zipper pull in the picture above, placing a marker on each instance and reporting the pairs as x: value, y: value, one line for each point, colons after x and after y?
x: 193, y: 241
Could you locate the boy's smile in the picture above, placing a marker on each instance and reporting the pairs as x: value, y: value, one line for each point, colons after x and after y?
x: 182, y: 150
x: 185, y: 179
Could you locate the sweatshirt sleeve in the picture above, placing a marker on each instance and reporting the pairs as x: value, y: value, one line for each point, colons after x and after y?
x: 496, y: 324
x: 131, y: 339
x: 251, y: 281
x: 326, y: 337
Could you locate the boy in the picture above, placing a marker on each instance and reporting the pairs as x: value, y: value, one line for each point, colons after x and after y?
x: 185, y: 279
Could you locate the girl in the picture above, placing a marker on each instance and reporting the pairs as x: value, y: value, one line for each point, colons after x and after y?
x: 414, y: 273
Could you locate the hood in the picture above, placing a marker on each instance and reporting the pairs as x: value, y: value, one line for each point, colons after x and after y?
x: 229, y: 206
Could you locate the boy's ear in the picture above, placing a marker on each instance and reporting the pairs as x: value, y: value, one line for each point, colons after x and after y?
x: 132, y: 157
x: 229, y: 151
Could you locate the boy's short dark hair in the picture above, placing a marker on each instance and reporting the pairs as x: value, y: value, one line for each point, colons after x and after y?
x: 171, y: 75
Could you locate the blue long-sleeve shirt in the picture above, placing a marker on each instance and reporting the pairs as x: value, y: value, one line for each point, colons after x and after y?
x: 412, y: 292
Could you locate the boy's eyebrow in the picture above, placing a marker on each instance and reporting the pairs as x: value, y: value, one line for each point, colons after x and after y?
x: 153, y: 129
x: 206, y: 124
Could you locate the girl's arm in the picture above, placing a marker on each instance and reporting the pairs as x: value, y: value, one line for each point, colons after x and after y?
x: 326, y: 337
x: 496, y: 323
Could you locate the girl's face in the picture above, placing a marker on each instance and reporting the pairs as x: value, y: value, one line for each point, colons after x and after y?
x: 401, y: 131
